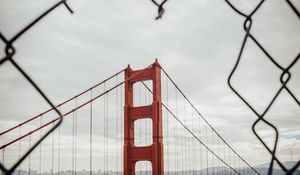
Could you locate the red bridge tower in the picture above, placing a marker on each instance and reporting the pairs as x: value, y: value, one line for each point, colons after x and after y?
x: 153, y: 153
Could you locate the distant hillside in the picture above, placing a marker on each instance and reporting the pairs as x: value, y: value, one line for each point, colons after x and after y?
x: 263, y: 168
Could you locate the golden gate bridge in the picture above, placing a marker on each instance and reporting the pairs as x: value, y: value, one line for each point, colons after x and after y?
x: 133, y: 122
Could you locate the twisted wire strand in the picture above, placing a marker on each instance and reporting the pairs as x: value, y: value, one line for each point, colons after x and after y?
x: 160, y: 8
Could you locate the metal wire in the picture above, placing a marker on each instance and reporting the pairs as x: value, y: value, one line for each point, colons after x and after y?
x: 160, y: 8
x: 284, y: 79
x: 9, y: 53
x: 203, y: 118
x: 208, y: 149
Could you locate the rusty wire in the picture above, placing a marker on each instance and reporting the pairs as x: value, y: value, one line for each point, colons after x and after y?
x: 9, y: 57
x: 284, y: 79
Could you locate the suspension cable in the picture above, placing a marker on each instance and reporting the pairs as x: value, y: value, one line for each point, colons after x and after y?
x: 104, y: 129
x: 176, y: 131
x: 140, y: 122
x: 52, y: 153
x: 206, y: 139
x: 73, y: 139
x: 29, y: 157
x: 117, y: 128
x: 58, y: 150
x: 75, y: 159
x: 200, y: 115
x: 61, y: 104
x: 167, y: 125
x: 20, y: 133
x: 71, y: 111
x: 40, y: 156
x: 91, y: 132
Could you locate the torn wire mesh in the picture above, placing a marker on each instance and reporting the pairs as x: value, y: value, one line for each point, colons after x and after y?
x: 9, y: 57
x: 284, y: 79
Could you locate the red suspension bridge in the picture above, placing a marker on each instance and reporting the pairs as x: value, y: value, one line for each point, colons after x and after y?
x: 134, y: 122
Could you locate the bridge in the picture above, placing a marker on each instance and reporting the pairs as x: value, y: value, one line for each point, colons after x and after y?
x: 133, y: 122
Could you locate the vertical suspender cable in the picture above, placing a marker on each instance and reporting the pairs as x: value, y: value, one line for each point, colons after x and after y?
x: 147, y: 127
x: 167, y: 124
x: 40, y: 157
x: 20, y: 133
x: 146, y: 102
x: 74, y: 120
x: 174, y: 144
x: 122, y: 124
x: 150, y: 131
x: 58, y: 149
x: 107, y: 124
x: 206, y: 150
x: 245, y: 170
x: 185, y: 151
x: 52, y: 152
x: 239, y: 165
x: 219, y: 168
x: 107, y: 118
x: 73, y: 140
x: 195, y: 157
x: 234, y: 165
x: 248, y: 172
x: 200, y: 147
x: 148, y: 99
x: 29, y: 157
x: 176, y: 133
x: 190, y: 149
x: 230, y: 160
x: 212, y: 156
x: 218, y: 153
x: 194, y: 147
x: 224, y: 157
x: 104, y: 128
x: 91, y: 130
x: 117, y: 128
x: 140, y: 121
x: 58, y: 161
x: 75, y: 165
x: 3, y: 160
x: 224, y: 152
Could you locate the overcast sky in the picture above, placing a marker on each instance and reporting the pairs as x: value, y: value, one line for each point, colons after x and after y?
x: 197, y: 42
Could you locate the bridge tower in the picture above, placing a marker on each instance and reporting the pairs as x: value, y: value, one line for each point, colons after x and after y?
x: 154, y: 152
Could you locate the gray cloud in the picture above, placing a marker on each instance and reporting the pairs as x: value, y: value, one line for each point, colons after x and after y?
x: 197, y: 42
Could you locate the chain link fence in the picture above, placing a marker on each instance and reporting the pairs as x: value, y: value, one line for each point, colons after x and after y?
x: 284, y: 78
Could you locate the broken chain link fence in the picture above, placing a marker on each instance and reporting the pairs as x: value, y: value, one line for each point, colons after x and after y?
x: 284, y: 78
